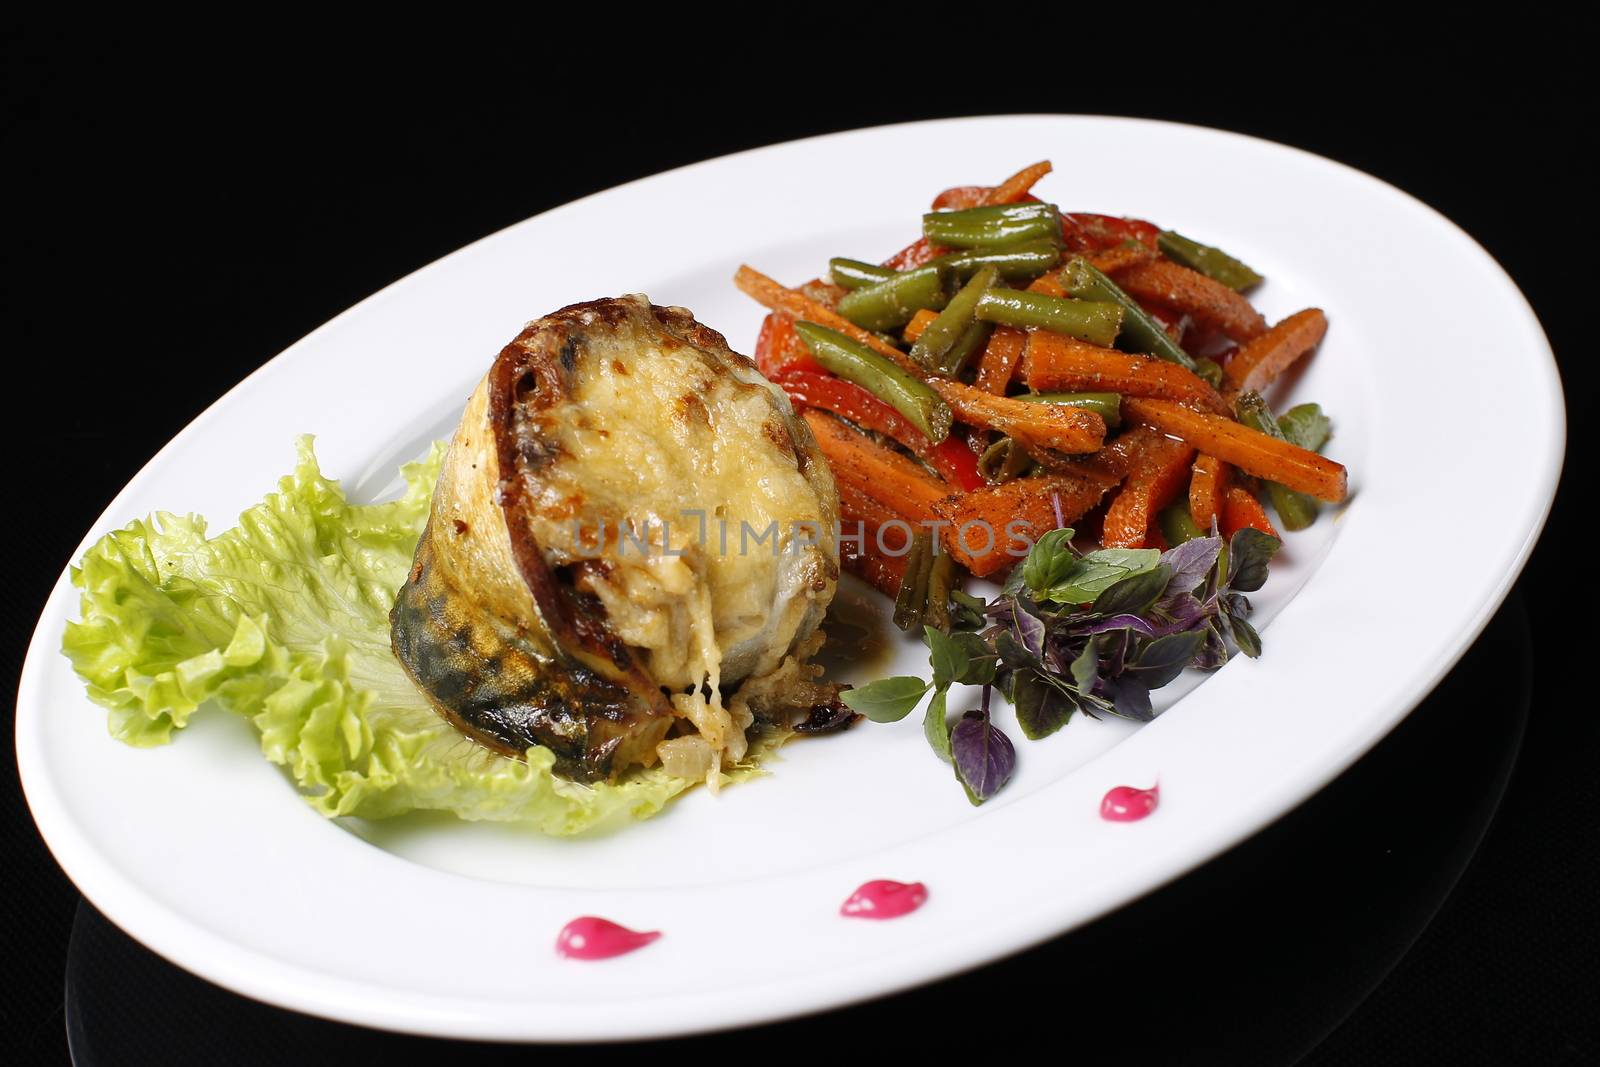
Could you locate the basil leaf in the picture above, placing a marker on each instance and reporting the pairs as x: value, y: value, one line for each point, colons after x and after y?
x: 980, y: 669
x: 1099, y: 624
x: 1216, y: 579
x: 936, y: 726
x: 1245, y: 636
x: 1028, y: 627
x: 946, y: 656
x: 887, y: 699
x: 1098, y: 571
x: 1134, y: 595
x: 1042, y: 709
x: 1012, y: 652
x: 1305, y: 425
x: 1048, y: 560
x: 1131, y: 699
x: 1164, y: 659
x: 1249, y: 551
x: 1114, y: 647
x: 982, y: 755
x: 1086, y: 666
x: 1191, y: 562
x: 1213, y: 651
x: 980, y: 658
x: 1014, y: 583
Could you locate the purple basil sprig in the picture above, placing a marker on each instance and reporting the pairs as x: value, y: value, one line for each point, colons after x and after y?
x: 983, y: 756
x: 1094, y: 633
x: 1180, y: 608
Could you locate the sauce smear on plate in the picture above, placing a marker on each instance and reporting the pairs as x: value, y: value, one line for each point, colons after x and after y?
x: 884, y: 899
x: 592, y: 938
x: 1127, y: 804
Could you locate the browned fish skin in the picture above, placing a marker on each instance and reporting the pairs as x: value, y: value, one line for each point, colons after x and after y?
x: 505, y: 690
x: 502, y: 641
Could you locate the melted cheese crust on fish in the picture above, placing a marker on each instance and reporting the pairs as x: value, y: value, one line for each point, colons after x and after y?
x: 632, y: 519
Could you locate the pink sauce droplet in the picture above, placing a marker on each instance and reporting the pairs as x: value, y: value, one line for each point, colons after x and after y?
x: 590, y: 938
x: 883, y: 899
x: 1127, y: 804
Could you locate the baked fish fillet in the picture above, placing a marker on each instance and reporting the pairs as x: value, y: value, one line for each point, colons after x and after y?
x: 632, y: 542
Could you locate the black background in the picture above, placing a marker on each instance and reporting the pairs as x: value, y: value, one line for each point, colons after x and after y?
x: 178, y: 215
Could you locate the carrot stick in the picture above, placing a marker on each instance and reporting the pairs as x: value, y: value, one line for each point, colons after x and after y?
x: 1111, y: 464
x: 998, y: 363
x: 1149, y: 488
x: 856, y: 506
x: 992, y: 528
x: 770, y: 294
x: 1124, y: 455
x: 892, y: 479
x: 1207, y: 485
x: 1017, y: 186
x: 1065, y: 429
x: 1240, y: 508
x: 1258, y: 363
x: 1208, y: 301
x: 1049, y: 285
x: 1058, y: 362
x: 825, y: 293
x: 1249, y: 450
x: 918, y: 323
x: 878, y: 569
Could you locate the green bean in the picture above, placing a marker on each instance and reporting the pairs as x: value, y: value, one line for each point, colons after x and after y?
x: 1004, y: 460
x: 993, y: 457
x: 997, y: 226
x: 1177, y: 525
x: 941, y: 578
x: 1141, y: 333
x: 912, y: 599
x: 1295, y: 510
x: 855, y: 362
x: 966, y: 610
x: 1212, y: 262
x: 855, y: 274
x: 1210, y: 371
x: 1107, y: 405
x: 971, y: 343
x: 938, y: 346
x: 1305, y: 425
x: 890, y: 303
x: 1027, y: 260
x: 1095, y: 321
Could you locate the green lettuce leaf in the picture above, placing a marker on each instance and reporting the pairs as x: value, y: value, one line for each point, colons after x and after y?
x: 284, y: 619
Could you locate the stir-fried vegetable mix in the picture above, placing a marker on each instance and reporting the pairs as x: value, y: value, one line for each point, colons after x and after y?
x: 1020, y: 378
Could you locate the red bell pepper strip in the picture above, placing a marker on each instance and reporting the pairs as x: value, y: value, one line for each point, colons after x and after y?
x: 956, y: 463
x: 914, y: 254
x: 951, y: 458
x: 1086, y: 232
x: 779, y: 349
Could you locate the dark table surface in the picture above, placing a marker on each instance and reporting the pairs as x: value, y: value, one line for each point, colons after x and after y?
x: 184, y: 220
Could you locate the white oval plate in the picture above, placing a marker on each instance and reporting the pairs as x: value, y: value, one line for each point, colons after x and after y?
x: 202, y: 851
